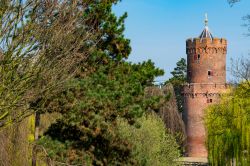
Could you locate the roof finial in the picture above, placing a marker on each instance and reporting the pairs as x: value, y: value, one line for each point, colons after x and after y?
x: 206, y: 20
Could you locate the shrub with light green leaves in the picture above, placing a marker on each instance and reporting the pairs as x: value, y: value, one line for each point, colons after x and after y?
x: 152, y: 145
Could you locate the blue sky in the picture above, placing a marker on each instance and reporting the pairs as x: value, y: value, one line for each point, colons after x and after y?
x: 158, y: 29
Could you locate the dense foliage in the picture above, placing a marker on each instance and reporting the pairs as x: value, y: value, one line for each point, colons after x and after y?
x: 159, y: 148
x: 228, y: 126
x: 99, y: 93
x: 91, y: 106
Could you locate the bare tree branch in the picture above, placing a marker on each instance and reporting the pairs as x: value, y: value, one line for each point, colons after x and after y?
x: 44, y: 44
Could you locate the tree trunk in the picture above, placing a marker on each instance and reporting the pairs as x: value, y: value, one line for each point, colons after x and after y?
x: 36, y: 134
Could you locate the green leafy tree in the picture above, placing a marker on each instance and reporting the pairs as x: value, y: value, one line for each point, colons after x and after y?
x: 107, y: 46
x: 90, y: 108
x: 228, y: 126
x: 151, y: 144
x: 179, y: 78
x: 100, y: 16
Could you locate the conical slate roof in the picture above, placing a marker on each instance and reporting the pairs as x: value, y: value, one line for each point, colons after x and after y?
x: 206, y: 34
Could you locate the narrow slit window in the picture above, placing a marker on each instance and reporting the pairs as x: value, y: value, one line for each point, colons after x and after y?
x: 210, y: 73
x: 199, y: 57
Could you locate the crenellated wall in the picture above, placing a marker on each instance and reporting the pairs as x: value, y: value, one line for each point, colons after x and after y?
x: 204, y: 55
x: 196, y: 42
x: 204, y: 89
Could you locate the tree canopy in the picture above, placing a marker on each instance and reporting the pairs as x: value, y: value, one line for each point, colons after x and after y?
x: 179, y: 77
x: 159, y: 149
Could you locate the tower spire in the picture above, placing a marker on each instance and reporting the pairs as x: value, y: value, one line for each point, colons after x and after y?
x: 206, y: 33
x: 206, y: 20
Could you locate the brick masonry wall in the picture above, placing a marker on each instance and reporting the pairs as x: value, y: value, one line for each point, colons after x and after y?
x: 204, y: 88
x: 204, y: 56
x: 197, y: 97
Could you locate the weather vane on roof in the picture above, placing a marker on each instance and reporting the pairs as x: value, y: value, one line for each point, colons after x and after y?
x: 206, y: 20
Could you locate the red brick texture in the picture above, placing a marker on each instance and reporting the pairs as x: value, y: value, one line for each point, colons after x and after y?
x: 206, y: 61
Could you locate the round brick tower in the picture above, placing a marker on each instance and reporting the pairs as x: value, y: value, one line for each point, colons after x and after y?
x: 206, y: 72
